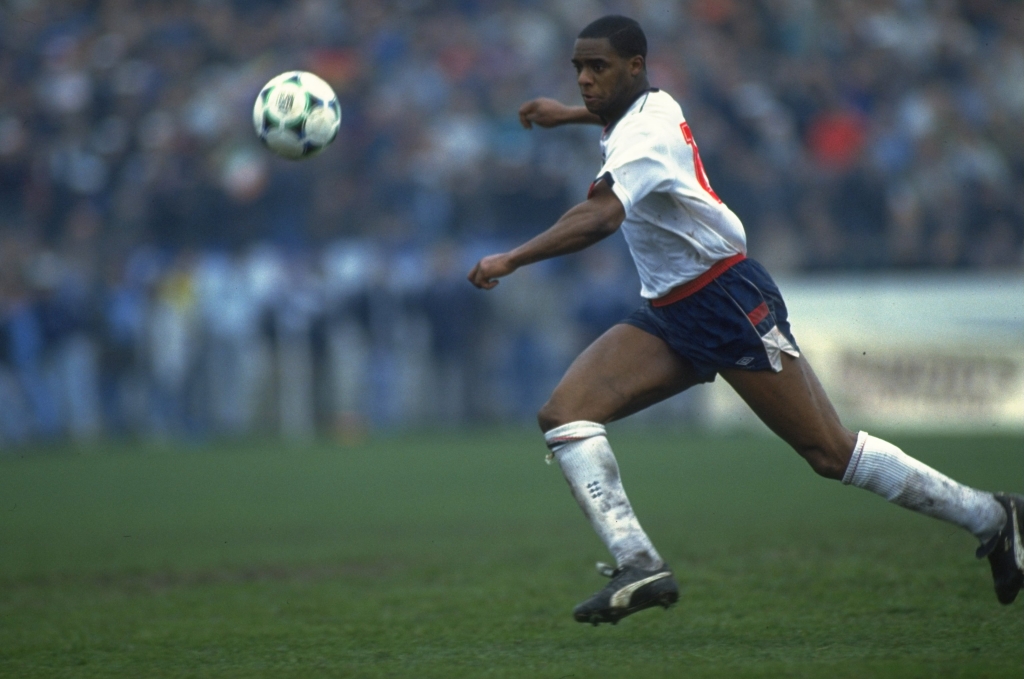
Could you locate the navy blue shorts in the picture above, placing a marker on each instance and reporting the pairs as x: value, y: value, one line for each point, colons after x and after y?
x: 737, y: 320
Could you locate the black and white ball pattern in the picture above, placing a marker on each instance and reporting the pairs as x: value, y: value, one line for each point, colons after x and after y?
x: 296, y: 115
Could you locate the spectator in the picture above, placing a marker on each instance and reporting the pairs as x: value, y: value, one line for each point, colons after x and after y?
x: 846, y: 136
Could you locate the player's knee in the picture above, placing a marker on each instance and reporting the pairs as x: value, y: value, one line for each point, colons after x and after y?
x: 548, y: 417
x: 556, y: 412
x: 827, y: 461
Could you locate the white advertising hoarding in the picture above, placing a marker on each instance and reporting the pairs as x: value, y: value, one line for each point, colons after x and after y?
x: 912, y: 352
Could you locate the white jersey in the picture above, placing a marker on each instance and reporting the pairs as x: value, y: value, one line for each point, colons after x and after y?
x: 675, y: 226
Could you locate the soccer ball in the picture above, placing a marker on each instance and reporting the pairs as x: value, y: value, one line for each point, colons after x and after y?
x: 296, y: 115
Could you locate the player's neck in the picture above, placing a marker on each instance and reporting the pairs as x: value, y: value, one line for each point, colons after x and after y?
x: 616, y: 112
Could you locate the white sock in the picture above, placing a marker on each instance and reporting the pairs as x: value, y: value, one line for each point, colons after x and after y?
x: 882, y: 468
x: 582, y: 451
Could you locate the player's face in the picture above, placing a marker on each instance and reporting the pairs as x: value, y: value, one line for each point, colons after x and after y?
x: 606, y: 79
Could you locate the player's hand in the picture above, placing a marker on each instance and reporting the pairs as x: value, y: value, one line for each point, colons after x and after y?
x: 488, y: 270
x: 544, y: 112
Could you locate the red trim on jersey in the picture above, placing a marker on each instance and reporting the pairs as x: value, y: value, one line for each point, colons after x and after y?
x: 688, y: 288
x: 758, y: 314
x: 606, y: 178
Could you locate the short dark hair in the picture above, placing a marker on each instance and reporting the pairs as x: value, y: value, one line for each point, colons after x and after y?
x: 625, y: 34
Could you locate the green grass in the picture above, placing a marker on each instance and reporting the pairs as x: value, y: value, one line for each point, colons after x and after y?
x: 440, y: 555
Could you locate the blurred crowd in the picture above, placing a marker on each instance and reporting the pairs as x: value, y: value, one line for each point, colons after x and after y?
x: 160, y: 272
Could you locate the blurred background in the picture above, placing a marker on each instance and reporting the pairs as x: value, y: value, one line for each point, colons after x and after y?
x: 162, y: 275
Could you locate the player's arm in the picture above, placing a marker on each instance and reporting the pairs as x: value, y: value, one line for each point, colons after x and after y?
x: 550, y: 113
x: 592, y: 220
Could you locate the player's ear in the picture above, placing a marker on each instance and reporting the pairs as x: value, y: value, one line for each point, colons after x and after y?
x: 637, y: 65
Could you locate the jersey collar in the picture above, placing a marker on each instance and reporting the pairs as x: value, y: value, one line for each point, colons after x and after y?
x: 640, y: 97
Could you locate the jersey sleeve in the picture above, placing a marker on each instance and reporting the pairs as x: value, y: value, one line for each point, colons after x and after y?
x: 638, y: 163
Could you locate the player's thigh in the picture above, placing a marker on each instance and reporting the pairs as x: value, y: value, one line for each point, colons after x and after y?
x: 795, y: 406
x: 623, y: 371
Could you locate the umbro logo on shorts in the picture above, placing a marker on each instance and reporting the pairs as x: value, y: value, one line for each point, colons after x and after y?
x: 746, y: 360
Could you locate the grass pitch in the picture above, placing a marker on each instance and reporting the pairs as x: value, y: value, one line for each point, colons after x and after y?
x: 462, y: 556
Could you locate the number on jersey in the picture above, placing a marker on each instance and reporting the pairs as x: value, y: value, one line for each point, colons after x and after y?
x: 698, y: 166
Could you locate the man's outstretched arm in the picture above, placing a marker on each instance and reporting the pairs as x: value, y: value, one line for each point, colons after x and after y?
x: 592, y: 220
x: 550, y: 113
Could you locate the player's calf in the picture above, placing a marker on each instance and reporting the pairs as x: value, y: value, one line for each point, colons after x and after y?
x: 829, y: 461
x: 582, y: 452
x: 884, y: 469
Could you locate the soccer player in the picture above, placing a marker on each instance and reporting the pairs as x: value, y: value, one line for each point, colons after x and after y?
x: 709, y: 310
